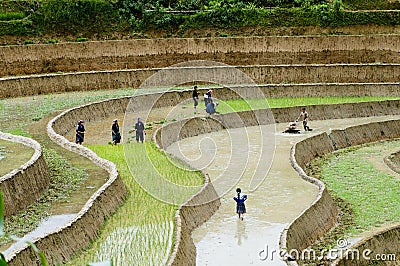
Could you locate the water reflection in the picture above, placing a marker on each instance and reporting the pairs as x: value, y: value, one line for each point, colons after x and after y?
x: 241, y: 233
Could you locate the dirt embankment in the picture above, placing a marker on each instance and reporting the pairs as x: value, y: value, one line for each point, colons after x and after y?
x: 269, y: 74
x: 26, y: 184
x: 322, y: 214
x: 158, y: 53
x: 60, y: 245
x: 81, y: 231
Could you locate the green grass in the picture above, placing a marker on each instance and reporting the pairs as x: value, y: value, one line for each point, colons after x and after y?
x: 11, y: 16
x: 142, y: 230
x: 64, y: 179
x: 17, y: 113
x: 353, y: 177
x: 228, y: 106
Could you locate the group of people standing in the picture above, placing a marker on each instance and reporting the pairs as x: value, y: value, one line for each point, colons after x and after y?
x: 208, y: 100
x: 115, y: 133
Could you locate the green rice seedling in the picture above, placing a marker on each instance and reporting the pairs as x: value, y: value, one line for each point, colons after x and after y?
x: 361, y: 187
x: 141, y: 232
x: 227, y: 106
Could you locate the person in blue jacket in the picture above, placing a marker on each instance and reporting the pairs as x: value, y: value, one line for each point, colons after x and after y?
x: 240, y: 199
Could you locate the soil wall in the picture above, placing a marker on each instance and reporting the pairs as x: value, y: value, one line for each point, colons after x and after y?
x: 322, y: 214
x: 60, y: 245
x: 78, y: 234
x: 25, y: 184
x: 145, y: 53
x: 267, y: 74
x: 384, y: 246
x: 191, y: 215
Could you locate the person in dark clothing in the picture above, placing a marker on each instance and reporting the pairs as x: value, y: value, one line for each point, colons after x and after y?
x: 195, y: 96
x: 240, y: 199
x: 139, y: 128
x: 80, y: 132
x: 116, y: 135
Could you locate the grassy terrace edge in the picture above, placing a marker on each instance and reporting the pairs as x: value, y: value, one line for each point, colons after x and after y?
x: 365, y: 195
x: 28, y: 97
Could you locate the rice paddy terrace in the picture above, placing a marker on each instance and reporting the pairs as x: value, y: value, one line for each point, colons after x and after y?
x: 168, y: 201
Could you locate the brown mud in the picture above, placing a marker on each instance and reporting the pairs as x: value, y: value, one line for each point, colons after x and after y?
x: 223, y: 239
x: 16, y: 154
x: 96, y: 175
x: 28, y: 67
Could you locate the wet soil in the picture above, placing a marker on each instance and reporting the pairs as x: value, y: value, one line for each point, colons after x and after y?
x: 280, y: 198
x: 165, y: 60
x: 13, y: 155
x: 96, y: 175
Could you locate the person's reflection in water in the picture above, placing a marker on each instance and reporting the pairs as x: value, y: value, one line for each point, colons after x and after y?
x: 240, y: 231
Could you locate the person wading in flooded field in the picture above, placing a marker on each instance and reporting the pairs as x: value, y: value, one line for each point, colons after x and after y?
x: 80, y: 132
x: 139, y: 128
x: 240, y: 199
x: 305, y: 116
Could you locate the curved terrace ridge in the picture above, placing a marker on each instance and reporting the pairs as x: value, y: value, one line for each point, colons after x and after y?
x: 302, y: 232
x: 114, y: 181
x: 25, y: 184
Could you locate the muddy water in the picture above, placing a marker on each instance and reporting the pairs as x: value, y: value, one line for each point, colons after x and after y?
x: 50, y: 224
x: 13, y: 155
x: 225, y: 240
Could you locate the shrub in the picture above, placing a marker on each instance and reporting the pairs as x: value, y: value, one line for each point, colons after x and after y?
x: 16, y: 27
x: 76, y: 16
x: 52, y: 41
x: 81, y: 39
x: 29, y: 42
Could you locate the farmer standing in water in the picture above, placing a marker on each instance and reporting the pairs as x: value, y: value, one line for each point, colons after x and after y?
x: 305, y: 117
x: 240, y: 207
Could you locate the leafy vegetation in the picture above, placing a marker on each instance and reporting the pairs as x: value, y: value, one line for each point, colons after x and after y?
x: 103, y: 17
x: 366, y: 195
x: 371, y: 5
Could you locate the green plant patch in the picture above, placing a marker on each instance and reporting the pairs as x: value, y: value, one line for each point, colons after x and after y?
x: 228, y: 106
x: 64, y: 179
x: 12, y: 16
x: 141, y: 232
x: 367, y: 195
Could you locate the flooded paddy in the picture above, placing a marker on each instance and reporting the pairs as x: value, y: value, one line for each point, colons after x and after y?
x: 13, y: 155
x: 276, y: 202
